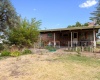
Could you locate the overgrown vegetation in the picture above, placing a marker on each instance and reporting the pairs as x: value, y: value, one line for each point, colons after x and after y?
x: 25, y: 35
x: 5, y: 53
x: 78, y: 51
x: 15, y: 53
x: 27, y: 51
x: 1, y: 47
x: 14, y: 30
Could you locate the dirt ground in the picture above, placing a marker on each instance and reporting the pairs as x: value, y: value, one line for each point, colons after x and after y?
x: 40, y: 66
x: 63, y: 51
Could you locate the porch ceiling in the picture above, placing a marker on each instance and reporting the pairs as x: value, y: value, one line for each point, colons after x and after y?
x: 69, y: 29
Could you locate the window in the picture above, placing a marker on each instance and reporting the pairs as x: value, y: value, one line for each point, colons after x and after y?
x: 49, y: 34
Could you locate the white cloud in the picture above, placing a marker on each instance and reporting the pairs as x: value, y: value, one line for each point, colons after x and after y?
x: 88, y: 4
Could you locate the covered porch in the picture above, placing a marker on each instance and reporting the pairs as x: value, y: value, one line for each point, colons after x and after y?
x: 69, y: 37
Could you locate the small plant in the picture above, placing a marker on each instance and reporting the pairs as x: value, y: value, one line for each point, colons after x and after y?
x: 5, y: 53
x: 78, y: 51
x: 15, y: 53
x: 27, y: 51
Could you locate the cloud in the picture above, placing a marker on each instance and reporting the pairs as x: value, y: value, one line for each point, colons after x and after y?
x: 88, y: 4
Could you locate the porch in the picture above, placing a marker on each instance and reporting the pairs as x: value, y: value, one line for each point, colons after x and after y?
x: 69, y: 38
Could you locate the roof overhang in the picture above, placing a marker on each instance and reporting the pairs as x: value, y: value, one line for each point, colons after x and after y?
x: 70, y: 29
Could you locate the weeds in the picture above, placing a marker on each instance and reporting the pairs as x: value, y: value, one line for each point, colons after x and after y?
x: 15, y: 53
x: 5, y: 53
x: 78, y: 51
x: 27, y: 51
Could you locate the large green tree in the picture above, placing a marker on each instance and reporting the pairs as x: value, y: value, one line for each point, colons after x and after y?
x: 85, y: 24
x: 8, y: 15
x: 26, y: 34
x: 96, y: 14
x: 78, y: 24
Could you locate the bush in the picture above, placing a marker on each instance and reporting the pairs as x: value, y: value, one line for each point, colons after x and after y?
x: 5, y: 53
x: 15, y: 53
x: 26, y: 34
x: 27, y: 51
x: 1, y: 47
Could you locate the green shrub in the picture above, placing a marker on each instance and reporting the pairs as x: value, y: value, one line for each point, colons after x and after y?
x: 5, y: 53
x: 27, y: 51
x: 26, y: 34
x: 15, y: 53
x: 1, y: 47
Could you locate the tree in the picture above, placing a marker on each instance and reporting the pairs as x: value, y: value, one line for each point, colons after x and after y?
x: 78, y: 24
x: 26, y: 34
x: 73, y: 26
x: 69, y: 26
x: 96, y: 14
x: 8, y: 16
x: 85, y: 24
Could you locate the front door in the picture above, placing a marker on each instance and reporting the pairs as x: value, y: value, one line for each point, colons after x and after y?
x: 75, y: 38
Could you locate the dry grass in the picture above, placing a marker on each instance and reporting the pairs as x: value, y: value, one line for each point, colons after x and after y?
x: 49, y: 67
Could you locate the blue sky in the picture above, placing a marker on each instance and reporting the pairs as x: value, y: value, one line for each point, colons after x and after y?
x: 56, y: 13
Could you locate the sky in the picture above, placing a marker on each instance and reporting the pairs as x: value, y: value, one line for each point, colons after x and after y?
x: 56, y: 13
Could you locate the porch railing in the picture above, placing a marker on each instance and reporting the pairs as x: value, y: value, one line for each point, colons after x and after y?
x: 79, y: 43
x: 68, y: 43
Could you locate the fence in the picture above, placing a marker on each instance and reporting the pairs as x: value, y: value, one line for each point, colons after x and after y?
x: 80, y: 43
x: 76, y: 45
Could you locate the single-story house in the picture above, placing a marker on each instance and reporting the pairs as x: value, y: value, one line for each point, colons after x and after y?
x: 70, y: 37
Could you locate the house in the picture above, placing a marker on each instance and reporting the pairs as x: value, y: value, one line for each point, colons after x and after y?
x: 69, y: 37
x: 90, y: 24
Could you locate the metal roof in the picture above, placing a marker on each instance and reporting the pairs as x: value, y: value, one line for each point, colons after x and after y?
x: 69, y: 29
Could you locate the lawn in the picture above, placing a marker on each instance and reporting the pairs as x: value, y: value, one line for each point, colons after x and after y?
x: 50, y: 66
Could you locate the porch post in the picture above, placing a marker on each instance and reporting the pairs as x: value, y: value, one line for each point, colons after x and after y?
x: 71, y: 39
x: 94, y: 35
x: 54, y: 40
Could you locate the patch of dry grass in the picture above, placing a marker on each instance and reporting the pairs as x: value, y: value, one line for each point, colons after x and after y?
x: 49, y: 67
